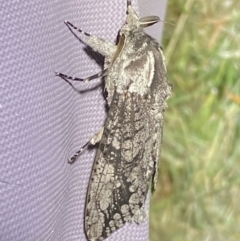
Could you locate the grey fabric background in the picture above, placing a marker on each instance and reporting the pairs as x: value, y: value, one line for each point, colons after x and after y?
x: 43, y: 121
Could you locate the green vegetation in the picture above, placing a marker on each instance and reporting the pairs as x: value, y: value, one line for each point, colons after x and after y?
x: 198, y: 195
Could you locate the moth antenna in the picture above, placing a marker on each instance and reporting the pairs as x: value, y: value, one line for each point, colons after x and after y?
x: 160, y: 20
x: 169, y: 23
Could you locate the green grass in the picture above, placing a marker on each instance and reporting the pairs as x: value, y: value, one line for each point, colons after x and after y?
x: 198, y: 194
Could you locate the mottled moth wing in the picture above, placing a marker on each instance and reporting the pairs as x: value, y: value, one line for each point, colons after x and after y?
x: 128, y: 153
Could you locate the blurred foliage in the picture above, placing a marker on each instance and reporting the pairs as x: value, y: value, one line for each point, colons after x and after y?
x: 198, y: 194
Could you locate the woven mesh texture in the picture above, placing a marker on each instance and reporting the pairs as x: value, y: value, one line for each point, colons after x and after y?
x: 43, y: 121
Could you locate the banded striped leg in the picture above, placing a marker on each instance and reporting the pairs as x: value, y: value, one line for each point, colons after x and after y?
x: 78, y: 153
x: 70, y: 25
x: 95, y: 76
x: 105, y: 48
x: 106, y: 44
x: 94, y: 140
x: 67, y: 77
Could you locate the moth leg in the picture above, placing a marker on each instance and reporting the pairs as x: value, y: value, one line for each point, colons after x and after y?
x: 94, y: 140
x: 95, y: 76
x: 70, y: 25
x: 106, y: 48
x: 97, y: 137
x: 78, y: 153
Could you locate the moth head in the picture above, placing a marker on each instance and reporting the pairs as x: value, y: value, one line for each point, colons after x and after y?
x: 133, y: 21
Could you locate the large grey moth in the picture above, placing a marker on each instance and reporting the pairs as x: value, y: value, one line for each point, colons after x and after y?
x: 127, y: 159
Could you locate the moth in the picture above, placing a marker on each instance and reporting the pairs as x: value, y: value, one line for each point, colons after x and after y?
x: 127, y: 159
